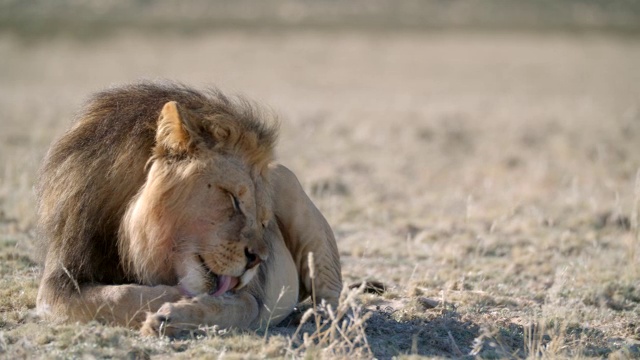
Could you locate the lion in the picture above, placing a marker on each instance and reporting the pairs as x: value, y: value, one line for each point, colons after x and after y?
x: 162, y: 209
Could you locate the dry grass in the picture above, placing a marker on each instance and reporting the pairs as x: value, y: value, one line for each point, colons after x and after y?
x: 488, y: 179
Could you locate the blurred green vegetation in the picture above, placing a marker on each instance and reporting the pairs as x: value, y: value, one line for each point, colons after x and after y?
x: 89, y: 18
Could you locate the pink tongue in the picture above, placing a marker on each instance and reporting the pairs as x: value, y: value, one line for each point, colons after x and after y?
x: 225, y: 283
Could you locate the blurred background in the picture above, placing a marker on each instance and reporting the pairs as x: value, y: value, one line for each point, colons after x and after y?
x: 88, y: 18
x: 482, y: 151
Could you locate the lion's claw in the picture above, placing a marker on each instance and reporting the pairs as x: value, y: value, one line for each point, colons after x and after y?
x: 163, y: 323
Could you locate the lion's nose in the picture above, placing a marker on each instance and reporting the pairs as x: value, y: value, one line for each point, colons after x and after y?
x: 252, y: 259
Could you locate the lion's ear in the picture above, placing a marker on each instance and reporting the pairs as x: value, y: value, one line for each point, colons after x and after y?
x: 175, y: 132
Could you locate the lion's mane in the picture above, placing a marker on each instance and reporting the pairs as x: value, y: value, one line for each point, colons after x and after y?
x: 89, y: 178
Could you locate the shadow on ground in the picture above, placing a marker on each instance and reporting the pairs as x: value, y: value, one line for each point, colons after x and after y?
x: 391, y: 332
x: 445, y: 335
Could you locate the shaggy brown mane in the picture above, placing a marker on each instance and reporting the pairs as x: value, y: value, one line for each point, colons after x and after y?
x: 79, y: 215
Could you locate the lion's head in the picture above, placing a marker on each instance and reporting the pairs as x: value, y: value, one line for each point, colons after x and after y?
x: 199, y: 218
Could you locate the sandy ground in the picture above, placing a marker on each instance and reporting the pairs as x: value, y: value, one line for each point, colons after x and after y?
x: 491, y: 174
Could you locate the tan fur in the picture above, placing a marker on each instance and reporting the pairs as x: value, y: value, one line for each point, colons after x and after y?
x: 155, y: 188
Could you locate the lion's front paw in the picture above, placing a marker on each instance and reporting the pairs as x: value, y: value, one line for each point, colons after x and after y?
x: 166, y: 322
x: 153, y: 325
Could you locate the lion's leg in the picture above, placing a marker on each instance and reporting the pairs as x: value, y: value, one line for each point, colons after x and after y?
x: 281, y: 287
x: 305, y: 230
x: 124, y: 305
x: 229, y: 310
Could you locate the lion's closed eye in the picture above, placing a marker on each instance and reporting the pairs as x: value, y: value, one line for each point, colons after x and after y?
x: 235, y: 203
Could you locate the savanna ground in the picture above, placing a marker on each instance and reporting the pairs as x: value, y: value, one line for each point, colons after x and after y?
x: 488, y: 178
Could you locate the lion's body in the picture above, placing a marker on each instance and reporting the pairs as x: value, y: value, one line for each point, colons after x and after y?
x: 159, y: 193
